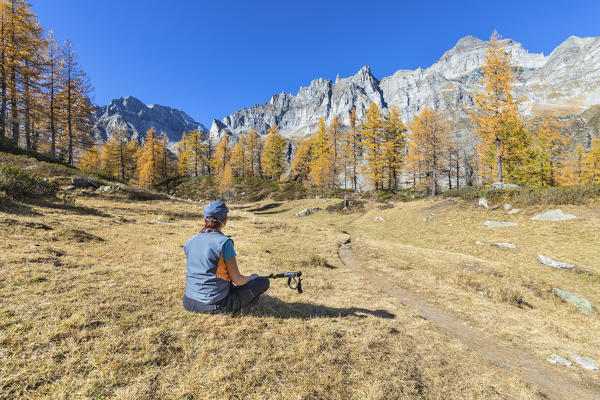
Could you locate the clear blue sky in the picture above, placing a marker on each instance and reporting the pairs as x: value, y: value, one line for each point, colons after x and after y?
x: 210, y: 58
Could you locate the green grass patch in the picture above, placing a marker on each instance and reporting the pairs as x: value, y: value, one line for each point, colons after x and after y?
x: 530, y: 195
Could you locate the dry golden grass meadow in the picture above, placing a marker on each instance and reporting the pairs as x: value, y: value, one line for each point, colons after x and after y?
x: 91, y: 301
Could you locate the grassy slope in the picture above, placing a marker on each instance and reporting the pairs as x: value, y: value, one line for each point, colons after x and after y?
x: 486, y: 285
x: 95, y: 311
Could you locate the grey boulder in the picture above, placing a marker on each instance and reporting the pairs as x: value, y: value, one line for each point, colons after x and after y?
x: 507, y: 245
x: 108, y: 188
x: 495, y: 224
x: 84, y: 183
x: 582, y: 304
x: 585, y: 362
x: 558, y: 360
x: 553, y: 263
x: 553, y: 215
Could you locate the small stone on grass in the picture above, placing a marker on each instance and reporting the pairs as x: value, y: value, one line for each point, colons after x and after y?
x: 553, y: 215
x: 553, y: 263
x: 558, y: 360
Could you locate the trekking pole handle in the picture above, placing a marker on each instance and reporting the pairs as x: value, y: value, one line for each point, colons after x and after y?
x: 294, y: 279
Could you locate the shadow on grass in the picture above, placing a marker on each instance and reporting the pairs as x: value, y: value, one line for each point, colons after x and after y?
x: 10, y: 206
x: 266, y: 207
x: 72, y: 208
x: 267, y: 306
x: 273, y: 212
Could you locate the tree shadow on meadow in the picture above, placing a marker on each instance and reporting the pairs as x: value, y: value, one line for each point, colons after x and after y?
x: 266, y: 207
x: 267, y: 306
x: 69, y: 208
x: 10, y: 206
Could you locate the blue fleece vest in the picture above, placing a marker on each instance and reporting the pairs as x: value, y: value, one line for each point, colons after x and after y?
x: 207, y: 280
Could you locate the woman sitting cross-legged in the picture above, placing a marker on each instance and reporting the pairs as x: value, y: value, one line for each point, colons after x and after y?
x: 214, y: 283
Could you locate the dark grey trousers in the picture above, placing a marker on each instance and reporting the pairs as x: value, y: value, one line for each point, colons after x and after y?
x: 238, y: 298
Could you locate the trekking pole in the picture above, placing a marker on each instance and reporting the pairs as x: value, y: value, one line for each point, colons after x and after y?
x: 294, y: 279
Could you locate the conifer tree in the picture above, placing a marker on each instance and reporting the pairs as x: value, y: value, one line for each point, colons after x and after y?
x: 335, y: 132
x: 222, y: 155
x: 20, y: 58
x: 76, y: 103
x: 183, y: 159
x: 394, y: 146
x: 239, y: 161
x: 273, y: 155
x: 227, y: 182
x: 428, y: 145
x: 351, y: 151
x: 302, y: 160
x: 118, y: 154
x: 53, y: 80
x: 151, y: 163
x: 505, y: 141
x: 90, y: 160
x: 373, y: 144
x: 549, y: 154
x: 193, y: 154
x: 576, y: 167
x: 255, y: 145
x: 321, y: 167
x: 4, y: 65
x: 591, y: 163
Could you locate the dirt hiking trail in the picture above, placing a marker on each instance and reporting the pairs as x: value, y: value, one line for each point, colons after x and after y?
x: 550, y: 381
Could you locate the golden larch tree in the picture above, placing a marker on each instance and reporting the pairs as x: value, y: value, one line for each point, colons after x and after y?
x: 239, y: 159
x: 254, y: 145
x: 273, y: 155
x: 222, y: 155
x: 151, y: 162
x: 183, y: 156
x: 117, y: 155
x: 351, y: 151
x: 591, y: 163
x: 335, y: 138
x: 321, y: 167
x: 90, y: 161
x: 504, y: 140
x: 394, y: 146
x: 429, y: 143
x: 227, y: 183
x: 549, y: 160
x: 373, y: 140
x: 302, y: 160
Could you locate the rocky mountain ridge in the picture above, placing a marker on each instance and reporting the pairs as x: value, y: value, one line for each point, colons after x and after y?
x: 563, y: 83
x: 137, y: 118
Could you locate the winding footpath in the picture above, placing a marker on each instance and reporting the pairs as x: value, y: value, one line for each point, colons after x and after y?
x: 552, y: 382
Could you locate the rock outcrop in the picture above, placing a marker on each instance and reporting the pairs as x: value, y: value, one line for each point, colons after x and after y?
x: 138, y: 117
x: 563, y: 83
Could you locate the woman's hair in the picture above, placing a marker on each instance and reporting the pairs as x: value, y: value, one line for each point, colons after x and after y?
x: 211, y: 225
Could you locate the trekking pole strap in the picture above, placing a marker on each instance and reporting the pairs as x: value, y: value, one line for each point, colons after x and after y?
x: 294, y: 279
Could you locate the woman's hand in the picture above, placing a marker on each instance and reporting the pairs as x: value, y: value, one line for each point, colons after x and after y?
x: 234, y: 273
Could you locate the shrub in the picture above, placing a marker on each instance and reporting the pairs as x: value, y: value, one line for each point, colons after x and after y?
x: 18, y: 183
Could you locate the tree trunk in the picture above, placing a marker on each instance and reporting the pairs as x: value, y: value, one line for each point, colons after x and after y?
x: 457, y: 171
x: 498, y: 160
x: 13, y: 83
x: 27, y: 106
x: 52, y: 115
x: 3, y: 77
